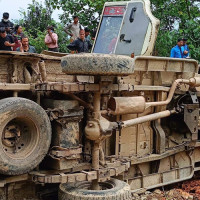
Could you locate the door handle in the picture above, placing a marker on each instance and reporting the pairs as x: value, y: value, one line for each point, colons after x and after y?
x: 132, y: 15
x: 122, y: 36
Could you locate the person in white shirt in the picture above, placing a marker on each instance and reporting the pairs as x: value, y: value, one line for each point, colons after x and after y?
x: 74, y: 28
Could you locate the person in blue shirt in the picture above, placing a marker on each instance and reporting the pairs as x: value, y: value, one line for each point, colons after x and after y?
x: 185, y: 48
x: 176, y: 52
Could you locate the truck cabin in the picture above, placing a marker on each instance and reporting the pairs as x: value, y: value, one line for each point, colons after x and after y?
x: 126, y: 28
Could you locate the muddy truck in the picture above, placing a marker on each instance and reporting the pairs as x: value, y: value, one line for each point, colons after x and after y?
x: 99, y: 125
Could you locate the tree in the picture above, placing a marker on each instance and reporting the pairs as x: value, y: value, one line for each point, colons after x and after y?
x: 37, y: 17
x: 89, y: 11
x: 35, y: 21
x: 179, y: 18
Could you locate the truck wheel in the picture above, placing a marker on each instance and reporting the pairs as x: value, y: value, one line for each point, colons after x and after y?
x: 25, y: 132
x: 113, y: 189
x: 97, y: 64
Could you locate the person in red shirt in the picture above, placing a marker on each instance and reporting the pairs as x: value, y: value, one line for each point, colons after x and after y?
x: 51, y: 39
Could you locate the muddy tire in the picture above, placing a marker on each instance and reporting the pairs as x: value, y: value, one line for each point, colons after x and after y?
x: 25, y: 134
x: 113, y: 189
x: 97, y: 64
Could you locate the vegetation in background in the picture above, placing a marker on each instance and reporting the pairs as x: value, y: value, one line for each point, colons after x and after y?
x: 35, y: 21
x: 179, y: 18
x: 89, y: 11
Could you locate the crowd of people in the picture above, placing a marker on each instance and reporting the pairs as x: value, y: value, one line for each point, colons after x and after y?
x: 12, y: 37
x: 80, y: 37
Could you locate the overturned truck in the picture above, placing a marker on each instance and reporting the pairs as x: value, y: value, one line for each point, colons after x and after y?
x: 99, y: 125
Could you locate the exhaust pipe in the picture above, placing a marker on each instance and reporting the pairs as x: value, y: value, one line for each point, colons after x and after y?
x: 135, y: 105
x: 126, y: 105
x: 147, y: 118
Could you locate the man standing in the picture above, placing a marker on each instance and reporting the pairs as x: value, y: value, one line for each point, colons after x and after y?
x: 87, y: 34
x: 5, y: 41
x: 74, y: 28
x: 185, y: 48
x: 81, y: 44
x: 51, y: 39
x: 17, y: 35
x: 25, y: 47
x: 176, y: 52
x: 6, y: 23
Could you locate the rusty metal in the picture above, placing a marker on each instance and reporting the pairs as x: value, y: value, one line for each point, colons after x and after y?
x: 191, y: 117
x: 85, y: 104
x: 131, y: 105
x: 92, y: 130
x: 167, y: 64
x: 195, y: 82
x: 170, y: 95
x: 15, y: 94
x: 46, y: 177
x: 63, y: 116
x: 96, y: 143
x: 68, y: 153
x: 80, y: 87
x: 95, y: 163
x: 126, y: 105
x: 161, y: 137
x: 103, y: 175
x: 38, y: 98
x: 147, y: 118
x: 43, y: 71
x: 95, y: 156
x: 16, y: 87
x: 101, y: 156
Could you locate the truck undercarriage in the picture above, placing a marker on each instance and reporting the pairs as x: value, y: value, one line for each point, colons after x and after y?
x: 99, y: 125
x: 141, y: 127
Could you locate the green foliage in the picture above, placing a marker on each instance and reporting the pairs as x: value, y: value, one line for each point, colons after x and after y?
x: 179, y: 18
x: 35, y: 21
x: 63, y: 40
x: 89, y: 11
x: 37, y: 42
x: 37, y: 17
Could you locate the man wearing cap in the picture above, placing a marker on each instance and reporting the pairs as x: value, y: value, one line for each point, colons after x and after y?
x: 74, y: 28
x: 176, y: 52
x: 5, y: 42
x: 5, y: 22
x: 185, y: 48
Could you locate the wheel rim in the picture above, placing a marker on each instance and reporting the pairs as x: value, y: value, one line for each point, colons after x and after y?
x: 20, y: 137
x: 103, y: 186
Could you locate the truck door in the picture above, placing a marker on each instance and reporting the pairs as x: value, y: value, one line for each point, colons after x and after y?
x: 136, y: 27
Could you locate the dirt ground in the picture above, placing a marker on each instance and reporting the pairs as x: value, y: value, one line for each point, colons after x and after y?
x: 182, y: 191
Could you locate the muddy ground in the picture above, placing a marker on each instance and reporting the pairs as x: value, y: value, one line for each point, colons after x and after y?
x: 180, y: 191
